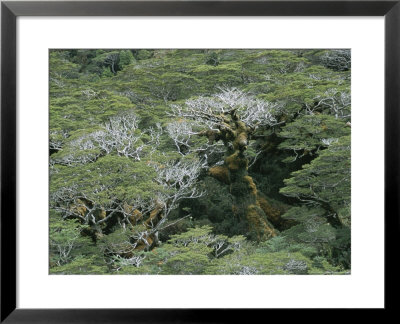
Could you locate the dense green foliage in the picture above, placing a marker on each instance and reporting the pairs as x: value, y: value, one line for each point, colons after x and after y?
x: 200, y: 162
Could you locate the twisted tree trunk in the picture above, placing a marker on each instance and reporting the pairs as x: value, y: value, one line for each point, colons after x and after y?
x: 234, y: 172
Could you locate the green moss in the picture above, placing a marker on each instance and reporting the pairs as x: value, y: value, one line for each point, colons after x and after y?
x: 241, y: 141
x: 236, y: 161
x: 258, y: 224
x: 220, y: 173
x: 251, y: 185
x: 273, y: 214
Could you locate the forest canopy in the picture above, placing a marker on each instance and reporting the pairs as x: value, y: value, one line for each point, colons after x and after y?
x: 200, y: 161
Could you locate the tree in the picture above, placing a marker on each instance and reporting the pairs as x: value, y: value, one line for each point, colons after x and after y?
x: 136, y: 190
x: 233, y: 118
x: 64, y: 238
x: 120, y: 134
x: 323, y: 187
x: 309, y: 134
x: 116, y: 186
x: 325, y: 181
x: 338, y: 60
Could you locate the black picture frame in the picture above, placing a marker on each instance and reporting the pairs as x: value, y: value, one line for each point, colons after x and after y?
x: 10, y: 10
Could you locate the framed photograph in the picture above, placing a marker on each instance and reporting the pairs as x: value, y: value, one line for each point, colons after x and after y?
x: 163, y: 158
